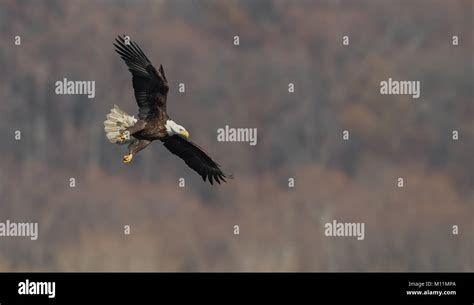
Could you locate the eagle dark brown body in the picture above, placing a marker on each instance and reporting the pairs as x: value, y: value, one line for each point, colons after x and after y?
x: 153, y: 128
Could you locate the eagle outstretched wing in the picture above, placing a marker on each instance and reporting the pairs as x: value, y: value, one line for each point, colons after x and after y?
x: 196, y: 158
x: 151, y: 86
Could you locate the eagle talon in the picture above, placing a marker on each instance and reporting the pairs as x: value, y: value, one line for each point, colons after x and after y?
x: 122, y: 137
x: 127, y: 158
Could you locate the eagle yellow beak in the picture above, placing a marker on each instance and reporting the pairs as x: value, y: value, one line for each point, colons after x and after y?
x: 185, y: 134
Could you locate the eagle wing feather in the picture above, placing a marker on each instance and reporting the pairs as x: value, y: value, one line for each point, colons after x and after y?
x: 196, y: 158
x: 150, y: 86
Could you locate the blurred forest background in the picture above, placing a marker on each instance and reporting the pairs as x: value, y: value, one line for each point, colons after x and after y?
x: 299, y: 135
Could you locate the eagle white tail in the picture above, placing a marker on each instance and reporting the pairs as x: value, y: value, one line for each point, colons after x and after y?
x: 117, y: 121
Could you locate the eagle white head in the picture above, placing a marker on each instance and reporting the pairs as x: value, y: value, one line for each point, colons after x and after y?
x: 172, y: 128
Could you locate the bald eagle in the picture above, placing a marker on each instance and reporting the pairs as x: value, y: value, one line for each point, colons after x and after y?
x: 153, y: 123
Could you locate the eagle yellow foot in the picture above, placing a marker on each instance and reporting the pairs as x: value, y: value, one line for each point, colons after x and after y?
x: 127, y: 158
x: 122, y: 137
